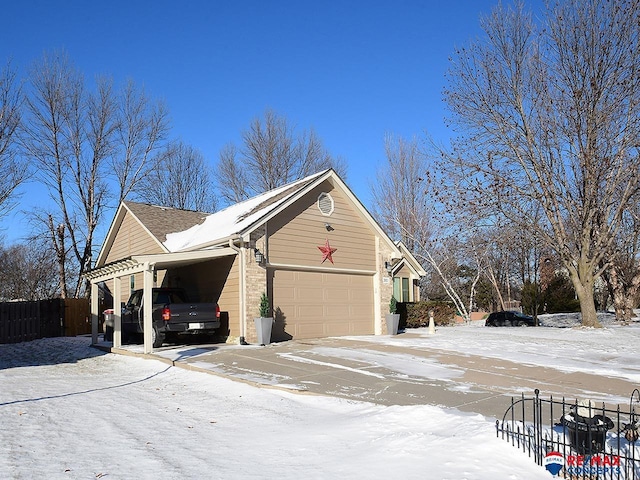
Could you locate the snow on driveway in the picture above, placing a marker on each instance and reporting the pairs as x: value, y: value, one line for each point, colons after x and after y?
x: 71, y: 412
x: 609, y: 351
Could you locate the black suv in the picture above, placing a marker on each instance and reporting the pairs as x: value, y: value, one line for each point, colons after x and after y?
x: 509, y: 319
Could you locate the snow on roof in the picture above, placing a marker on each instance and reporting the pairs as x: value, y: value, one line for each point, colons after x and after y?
x: 234, y: 219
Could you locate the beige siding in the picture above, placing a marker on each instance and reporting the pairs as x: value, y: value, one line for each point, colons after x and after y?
x: 404, y: 272
x: 229, y: 300
x: 131, y: 239
x: 294, y: 237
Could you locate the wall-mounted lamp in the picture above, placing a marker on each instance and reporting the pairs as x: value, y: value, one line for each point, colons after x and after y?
x: 328, y: 227
x: 389, y: 267
x: 259, y: 256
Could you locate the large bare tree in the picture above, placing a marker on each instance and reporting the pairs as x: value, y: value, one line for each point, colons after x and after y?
x: 400, y: 196
x: 548, y: 118
x: 13, y: 170
x: 141, y: 129
x: 74, y: 137
x: 404, y: 203
x: 181, y: 178
x: 272, y: 154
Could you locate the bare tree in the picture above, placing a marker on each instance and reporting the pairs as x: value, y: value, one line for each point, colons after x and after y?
x: 28, y: 272
x: 405, y: 206
x: 457, y: 276
x: 231, y: 174
x: 181, y: 179
x: 549, y: 120
x: 74, y: 139
x: 400, y: 198
x: 13, y: 171
x: 141, y: 129
x: 272, y: 154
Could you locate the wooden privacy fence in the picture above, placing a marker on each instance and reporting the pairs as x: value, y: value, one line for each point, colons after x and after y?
x: 25, y: 321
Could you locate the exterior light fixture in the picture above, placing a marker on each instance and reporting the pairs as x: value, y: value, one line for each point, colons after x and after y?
x: 259, y: 256
x: 328, y: 227
x: 389, y: 267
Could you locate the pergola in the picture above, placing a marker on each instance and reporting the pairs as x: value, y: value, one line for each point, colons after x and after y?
x: 147, y: 265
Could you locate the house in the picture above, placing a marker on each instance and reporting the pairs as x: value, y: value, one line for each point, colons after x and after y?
x: 326, y: 265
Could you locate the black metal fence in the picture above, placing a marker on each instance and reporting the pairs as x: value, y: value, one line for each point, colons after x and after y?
x: 579, y: 440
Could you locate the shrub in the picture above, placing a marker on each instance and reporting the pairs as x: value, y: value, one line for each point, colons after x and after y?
x: 264, y: 306
x: 560, y: 296
x: 393, y: 305
x: 418, y: 313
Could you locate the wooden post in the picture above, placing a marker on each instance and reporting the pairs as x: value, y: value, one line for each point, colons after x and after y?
x: 95, y: 315
x: 147, y: 305
x: 117, y: 312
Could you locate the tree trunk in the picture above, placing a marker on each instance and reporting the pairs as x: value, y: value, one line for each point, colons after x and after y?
x: 57, y: 238
x: 583, y: 282
x: 623, y: 293
x: 496, y: 287
x: 623, y: 302
x: 588, y: 308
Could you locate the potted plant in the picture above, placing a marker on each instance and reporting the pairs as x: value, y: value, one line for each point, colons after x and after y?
x: 393, y: 318
x: 264, y: 322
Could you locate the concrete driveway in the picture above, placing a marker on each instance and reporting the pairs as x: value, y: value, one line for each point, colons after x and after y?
x: 358, y: 369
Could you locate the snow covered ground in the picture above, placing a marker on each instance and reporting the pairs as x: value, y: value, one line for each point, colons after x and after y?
x: 69, y: 411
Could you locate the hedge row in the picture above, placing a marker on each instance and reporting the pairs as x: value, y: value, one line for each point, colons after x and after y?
x: 418, y: 313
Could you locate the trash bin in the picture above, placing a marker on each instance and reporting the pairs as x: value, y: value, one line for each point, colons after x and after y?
x: 587, y: 432
x: 108, y: 324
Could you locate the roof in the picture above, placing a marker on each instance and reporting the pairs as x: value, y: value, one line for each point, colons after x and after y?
x: 409, y: 259
x: 238, y: 219
x: 161, y: 221
x: 156, y: 220
x: 178, y: 230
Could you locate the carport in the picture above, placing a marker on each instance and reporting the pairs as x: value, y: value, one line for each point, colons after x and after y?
x: 147, y: 265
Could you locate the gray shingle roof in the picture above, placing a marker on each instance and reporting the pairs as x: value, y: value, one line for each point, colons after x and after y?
x: 163, y: 220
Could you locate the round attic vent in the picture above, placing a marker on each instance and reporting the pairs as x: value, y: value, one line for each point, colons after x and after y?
x: 325, y: 204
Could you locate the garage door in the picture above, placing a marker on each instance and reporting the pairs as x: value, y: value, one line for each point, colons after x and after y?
x: 314, y: 305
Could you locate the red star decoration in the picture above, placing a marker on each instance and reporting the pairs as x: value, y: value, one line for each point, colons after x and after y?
x: 327, y: 251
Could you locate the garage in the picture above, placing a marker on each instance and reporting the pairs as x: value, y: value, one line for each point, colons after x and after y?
x: 318, y: 304
x: 323, y: 263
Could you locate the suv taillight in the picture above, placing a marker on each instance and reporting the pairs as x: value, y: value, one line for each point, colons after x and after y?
x: 166, y: 314
x: 217, y: 311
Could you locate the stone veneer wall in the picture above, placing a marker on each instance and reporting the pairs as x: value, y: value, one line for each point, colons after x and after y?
x: 385, y: 289
x: 256, y: 283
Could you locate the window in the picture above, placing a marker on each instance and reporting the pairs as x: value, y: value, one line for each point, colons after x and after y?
x: 401, y: 290
x: 405, y: 290
x: 325, y: 204
x: 136, y: 299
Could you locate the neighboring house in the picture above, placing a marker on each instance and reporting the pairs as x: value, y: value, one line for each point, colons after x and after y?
x: 324, y: 262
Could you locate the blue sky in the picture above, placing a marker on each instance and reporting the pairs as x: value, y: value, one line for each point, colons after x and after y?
x: 352, y: 70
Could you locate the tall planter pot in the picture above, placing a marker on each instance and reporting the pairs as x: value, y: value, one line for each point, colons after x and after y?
x: 263, y: 329
x: 393, y: 319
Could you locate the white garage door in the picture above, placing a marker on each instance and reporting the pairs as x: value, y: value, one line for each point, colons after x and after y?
x: 315, y: 305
